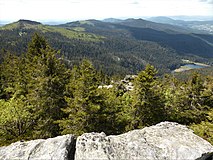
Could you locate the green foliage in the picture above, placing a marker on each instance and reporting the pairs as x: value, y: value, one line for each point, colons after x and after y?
x: 204, y: 130
x: 113, y: 50
x: 186, y: 103
x: 36, y: 46
x: 148, y: 105
x: 84, y: 100
x: 89, y: 108
x: 48, y: 77
x: 40, y: 78
x: 112, y: 116
x: 77, y: 33
x: 41, y: 98
x: 13, y: 76
x: 16, y: 119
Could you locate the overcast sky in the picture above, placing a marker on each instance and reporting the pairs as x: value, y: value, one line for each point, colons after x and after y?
x: 69, y: 10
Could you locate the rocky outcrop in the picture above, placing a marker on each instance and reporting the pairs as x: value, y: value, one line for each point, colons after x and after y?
x: 61, y: 147
x: 164, y: 141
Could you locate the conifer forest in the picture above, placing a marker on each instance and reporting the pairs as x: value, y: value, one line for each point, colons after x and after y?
x: 41, y: 96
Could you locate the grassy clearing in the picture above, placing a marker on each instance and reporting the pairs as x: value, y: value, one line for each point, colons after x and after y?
x: 74, y: 34
x: 86, y: 22
x: 79, y: 29
x: 9, y: 26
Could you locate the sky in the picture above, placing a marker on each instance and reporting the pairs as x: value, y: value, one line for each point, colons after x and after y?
x: 70, y: 10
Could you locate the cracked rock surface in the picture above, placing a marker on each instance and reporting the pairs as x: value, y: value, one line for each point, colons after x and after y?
x: 52, y: 148
x: 164, y: 141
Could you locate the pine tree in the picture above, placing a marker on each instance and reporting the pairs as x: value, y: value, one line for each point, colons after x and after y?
x: 38, y: 80
x: 2, y: 93
x: 84, y: 101
x: 195, y: 101
x: 111, y: 117
x: 16, y: 118
x: 148, y: 105
x: 90, y: 108
x: 47, y: 80
x: 36, y: 46
x: 186, y: 102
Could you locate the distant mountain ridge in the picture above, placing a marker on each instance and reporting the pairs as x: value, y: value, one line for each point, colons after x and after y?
x: 116, y: 46
x: 28, y: 22
x: 112, y: 20
x: 206, y: 26
x: 141, y: 23
x: 176, y: 37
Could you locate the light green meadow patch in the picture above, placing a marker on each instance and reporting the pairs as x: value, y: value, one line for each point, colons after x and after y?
x: 78, y: 29
x: 9, y: 26
x: 73, y: 34
x: 86, y: 22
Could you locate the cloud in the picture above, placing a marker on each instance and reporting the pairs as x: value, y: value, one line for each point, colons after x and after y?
x: 207, y: 1
x: 99, y: 9
x: 74, y: 2
x: 135, y: 3
x: 210, y: 1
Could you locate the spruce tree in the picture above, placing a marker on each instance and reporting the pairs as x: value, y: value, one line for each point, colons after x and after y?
x: 187, y: 103
x: 195, y: 106
x: 90, y: 108
x: 16, y: 118
x: 84, y: 101
x: 148, y: 104
x: 47, y: 81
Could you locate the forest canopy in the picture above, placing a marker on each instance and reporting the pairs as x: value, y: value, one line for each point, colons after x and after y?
x: 41, y: 97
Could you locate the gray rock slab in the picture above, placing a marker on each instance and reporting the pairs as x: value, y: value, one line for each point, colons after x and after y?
x: 164, y: 141
x: 58, y: 148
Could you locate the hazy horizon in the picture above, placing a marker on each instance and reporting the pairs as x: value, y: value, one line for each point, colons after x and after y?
x: 71, y: 10
x: 56, y: 22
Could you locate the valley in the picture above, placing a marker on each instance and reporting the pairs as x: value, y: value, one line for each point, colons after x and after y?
x: 115, y: 46
x: 51, y: 78
x: 86, y: 71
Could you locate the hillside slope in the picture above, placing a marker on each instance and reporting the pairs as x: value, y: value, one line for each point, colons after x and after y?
x: 202, y: 26
x: 124, y: 47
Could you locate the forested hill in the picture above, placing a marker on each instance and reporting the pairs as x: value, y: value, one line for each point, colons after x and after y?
x: 204, y: 25
x: 122, y: 47
x: 40, y: 97
x: 181, y: 39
